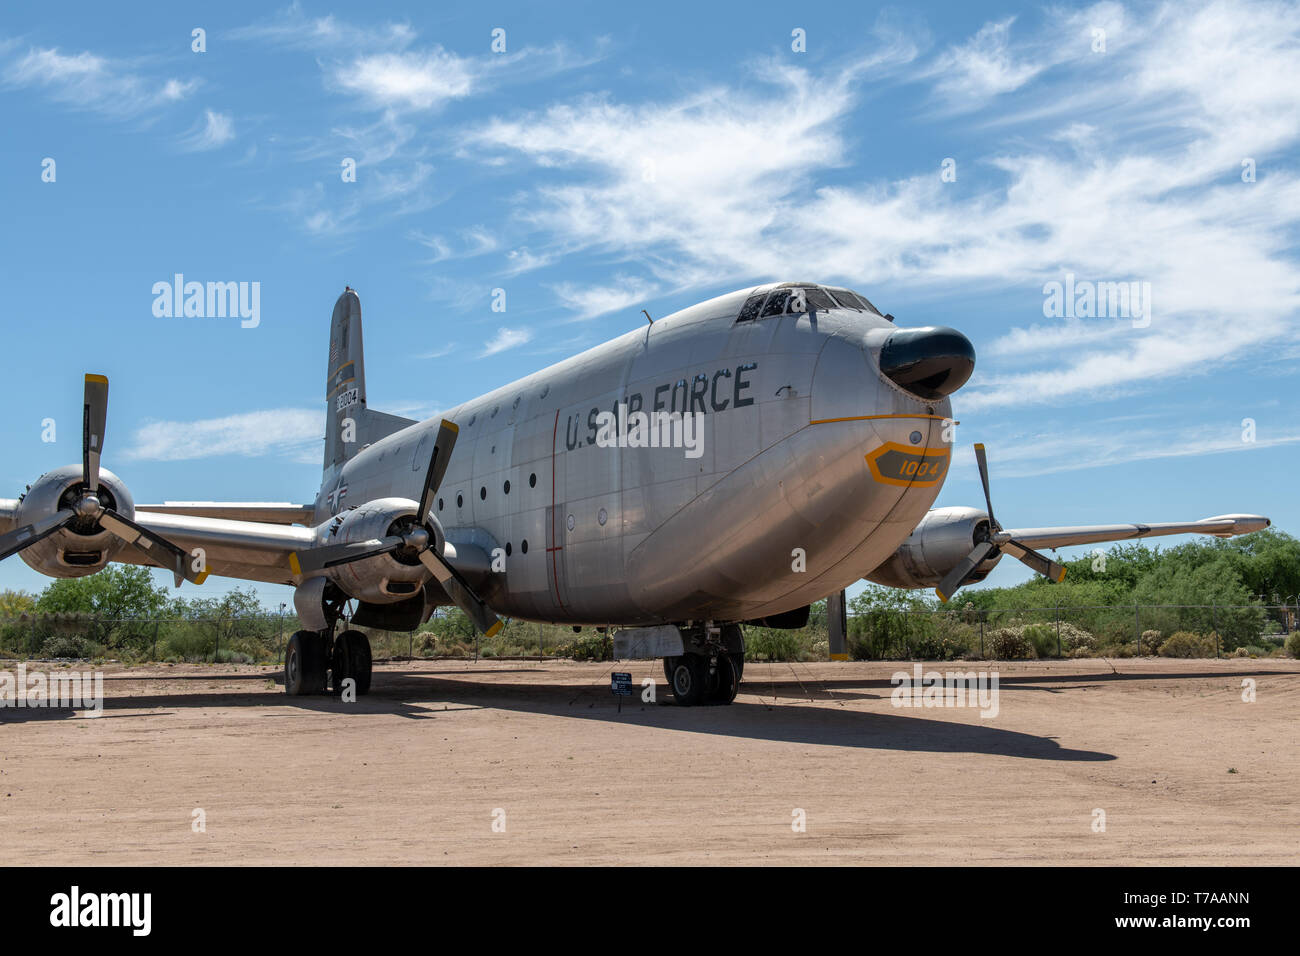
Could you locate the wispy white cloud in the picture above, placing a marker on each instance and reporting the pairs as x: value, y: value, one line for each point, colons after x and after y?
x: 589, y: 302
x: 287, y: 432
x: 505, y: 339
x: 1047, y: 452
x: 734, y: 183
x: 441, y: 352
x: 88, y: 81
x: 982, y: 67
x: 211, y: 132
x: 291, y: 27
x: 408, y: 80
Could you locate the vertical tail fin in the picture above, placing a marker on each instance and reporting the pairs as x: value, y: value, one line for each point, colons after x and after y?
x: 349, y: 424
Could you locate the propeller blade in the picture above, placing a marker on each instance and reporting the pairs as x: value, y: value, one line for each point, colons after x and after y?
x: 438, y: 461
x: 93, y: 419
x: 984, y: 480
x: 460, y: 592
x: 29, y: 534
x: 153, y: 546
x: 1039, y: 562
x: 332, y: 555
x: 958, y: 575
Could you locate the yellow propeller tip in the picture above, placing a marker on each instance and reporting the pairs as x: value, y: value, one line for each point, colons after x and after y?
x: 452, y: 425
x: 294, y: 566
x: 940, y: 595
x: 491, y: 631
x: 201, y: 577
x: 101, y: 379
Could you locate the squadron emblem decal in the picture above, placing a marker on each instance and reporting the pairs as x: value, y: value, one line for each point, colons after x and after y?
x: 895, y: 464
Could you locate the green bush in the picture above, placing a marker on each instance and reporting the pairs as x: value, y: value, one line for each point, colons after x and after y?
x: 770, y: 644
x: 1293, y: 644
x: 65, y: 645
x: 1007, y: 644
x: 1043, y: 638
x: 1189, y: 644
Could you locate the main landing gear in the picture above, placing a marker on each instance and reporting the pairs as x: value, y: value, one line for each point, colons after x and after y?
x: 711, y: 669
x: 315, y: 661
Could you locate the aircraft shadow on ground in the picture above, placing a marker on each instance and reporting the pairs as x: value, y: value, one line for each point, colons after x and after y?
x: 768, y: 709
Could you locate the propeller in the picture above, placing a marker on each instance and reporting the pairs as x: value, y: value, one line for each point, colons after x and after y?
x: 997, y: 542
x: 89, y: 511
x: 415, y: 540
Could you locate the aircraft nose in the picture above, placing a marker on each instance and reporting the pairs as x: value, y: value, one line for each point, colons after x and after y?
x: 931, y: 362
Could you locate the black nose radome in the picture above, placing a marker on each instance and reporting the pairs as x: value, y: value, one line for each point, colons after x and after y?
x: 930, y: 362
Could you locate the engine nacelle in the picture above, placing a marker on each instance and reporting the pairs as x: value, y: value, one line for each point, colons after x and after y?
x: 386, y: 578
x: 83, y: 547
x: 935, y: 546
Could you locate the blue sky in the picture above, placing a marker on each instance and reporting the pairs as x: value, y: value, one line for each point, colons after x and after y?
x: 616, y: 157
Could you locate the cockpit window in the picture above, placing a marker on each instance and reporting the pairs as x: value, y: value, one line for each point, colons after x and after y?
x: 793, y: 298
x: 776, y: 303
x: 818, y: 300
x: 851, y: 300
x: 749, y: 311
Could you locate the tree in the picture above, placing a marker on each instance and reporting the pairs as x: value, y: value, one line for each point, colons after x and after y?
x: 112, y: 598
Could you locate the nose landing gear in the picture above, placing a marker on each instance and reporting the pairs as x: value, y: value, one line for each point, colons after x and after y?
x: 710, y: 670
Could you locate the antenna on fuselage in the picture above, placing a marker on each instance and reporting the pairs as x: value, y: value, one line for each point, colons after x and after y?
x: 647, y: 317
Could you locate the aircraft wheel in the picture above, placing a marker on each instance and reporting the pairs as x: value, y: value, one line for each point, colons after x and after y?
x: 669, y: 664
x: 689, y: 679
x: 304, y: 664
x: 352, y: 659
x: 725, y: 682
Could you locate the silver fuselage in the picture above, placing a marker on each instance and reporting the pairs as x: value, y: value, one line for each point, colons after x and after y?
x: 781, y: 508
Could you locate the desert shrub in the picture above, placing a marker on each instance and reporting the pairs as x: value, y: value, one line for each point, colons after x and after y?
x: 1293, y: 644
x: 1043, y: 639
x: 65, y: 645
x: 591, y: 647
x: 1189, y: 644
x: 1074, y: 637
x: 821, y: 650
x: 771, y: 644
x: 1007, y: 643
x: 1151, y: 641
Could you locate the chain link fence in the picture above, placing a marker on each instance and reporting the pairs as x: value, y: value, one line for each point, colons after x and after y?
x: 877, y: 633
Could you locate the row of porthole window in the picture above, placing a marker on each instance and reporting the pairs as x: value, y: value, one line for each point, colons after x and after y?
x: 482, y: 492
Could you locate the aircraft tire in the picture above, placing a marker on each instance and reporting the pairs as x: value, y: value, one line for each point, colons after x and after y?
x: 352, y: 659
x: 726, y: 682
x: 689, y: 678
x: 304, y: 664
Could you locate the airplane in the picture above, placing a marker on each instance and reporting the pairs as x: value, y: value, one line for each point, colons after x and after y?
x: 729, y: 464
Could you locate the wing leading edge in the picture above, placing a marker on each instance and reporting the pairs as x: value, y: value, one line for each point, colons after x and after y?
x: 1221, y: 526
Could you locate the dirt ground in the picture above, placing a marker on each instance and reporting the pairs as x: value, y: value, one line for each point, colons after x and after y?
x: 420, y: 770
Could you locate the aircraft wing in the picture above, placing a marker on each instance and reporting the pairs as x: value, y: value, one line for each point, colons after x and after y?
x: 1221, y: 526
x: 249, y: 550
x: 272, y: 512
